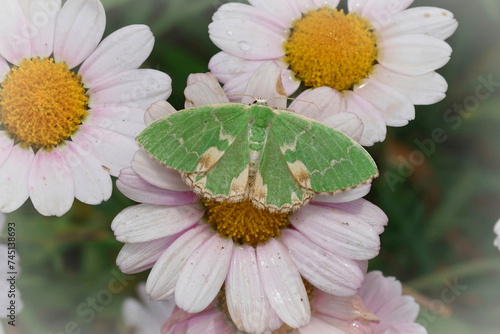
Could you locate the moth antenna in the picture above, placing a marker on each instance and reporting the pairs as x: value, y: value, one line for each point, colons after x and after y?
x: 293, y: 99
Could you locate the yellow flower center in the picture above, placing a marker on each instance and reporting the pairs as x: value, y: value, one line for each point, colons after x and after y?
x: 330, y: 48
x: 42, y: 103
x: 244, y: 223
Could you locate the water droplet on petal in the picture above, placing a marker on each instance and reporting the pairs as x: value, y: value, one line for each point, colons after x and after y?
x: 244, y: 46
x: 229, y: 32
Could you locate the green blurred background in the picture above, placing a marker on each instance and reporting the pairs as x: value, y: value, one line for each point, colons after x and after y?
x: 442, y: 201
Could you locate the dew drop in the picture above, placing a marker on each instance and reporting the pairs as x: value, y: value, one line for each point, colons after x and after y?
x: 229, y: 32
x: 244, y: 46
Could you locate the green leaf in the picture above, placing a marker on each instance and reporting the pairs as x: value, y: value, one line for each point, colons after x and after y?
x: 276, y: 158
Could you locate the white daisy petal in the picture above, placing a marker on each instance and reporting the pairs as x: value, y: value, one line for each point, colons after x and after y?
x: 421, y: 89
x: 6, y: 145
x: 395, y: 107
x: 128, y: 121
x: 102, y: 143
x: 158, y: 110
x: 319, y: 103
x: 248, y: 32
x: 236, y: 86
x: 50, y: 183
x: 380, y: 12
x: 326, y: 271
x: 14, y: 39
x: 137, y: 189
x: 92, y: 182
x: 203, y: 274
x: 156, y: 173
x: 374, y: 128
x: 123, y: 50
x: 137, y: 257
x: 200, y: 94
x: 266, y: 84
x: 285, y: 10
x: 225, y: 66
x: 356, y: 6
x: 211, y: 81
x: 14, y: 178
x: 42, y: 16
x: 137, y: 88
x: 413, y: 54
x: 79, y: 28
x: 337, y: 231
x: 432, y: 21
x: 290, y: 82
x: 345, y: 196
x: 496, y: 229
x: 163, y: 277
x: 283, y: 285
x: 245, y: 297
x: 146, y: 222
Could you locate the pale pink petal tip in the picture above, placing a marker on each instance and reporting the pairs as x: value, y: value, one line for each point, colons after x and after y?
x: 158, y: 110
x: 497, y: 232
x: 265, y: 84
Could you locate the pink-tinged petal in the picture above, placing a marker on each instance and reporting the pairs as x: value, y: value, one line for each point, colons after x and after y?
x: 285, y: 11
x: 339, y: 232
x: 203, y: 89
x: 283, y: 285
x: 323, y: 3
x: 320, y: 104
x: 6, y: 146
x: 226, y: 66
x: 316, y: 325
x: 137, y: 257
x: 410, y: 328
x: 156, y: 173
x: 247, y: 32
x: 15, y: 36
x: 395, y: 107
x: 128, y: 121
x: 125, y: 49
x: 266, y: 84
x: 163, y: 277
x: 364, y: 210
x: 213, y: 322
x: 245, y: 297
x: 326, y: 271
x: 136, y: 88
x: 114, y: 150
x: 234, y: 88
x: 290, y: 82
x: 146, y: 222
x: 79, y: 28
x: 51, y: 184
x: 203, y: 274
x: 346, y: 196
x: 374, y: 128
x: 137, y: 189
x: 347, y: 123
x: 158, y: 110
x: 4, y: 69
x: 345, y: 308
x: 14, y: 178
x: 42, y: 16
x: 343, y: 326
x: 413, y: 54
x: 275, y: 321
x: 380, y: 12
x: 92, y: 182
x: 421, y: 89
x: 432, y: 21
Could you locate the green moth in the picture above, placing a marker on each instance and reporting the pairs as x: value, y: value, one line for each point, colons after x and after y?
x: 276, y: 158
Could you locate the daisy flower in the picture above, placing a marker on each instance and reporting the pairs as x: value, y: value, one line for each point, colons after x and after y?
x: 70, y: 107
x: 378, y: 308
x: 144, y: 316
x: 195, y: 246
x: 497, y: 232
x: 381, y: 55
